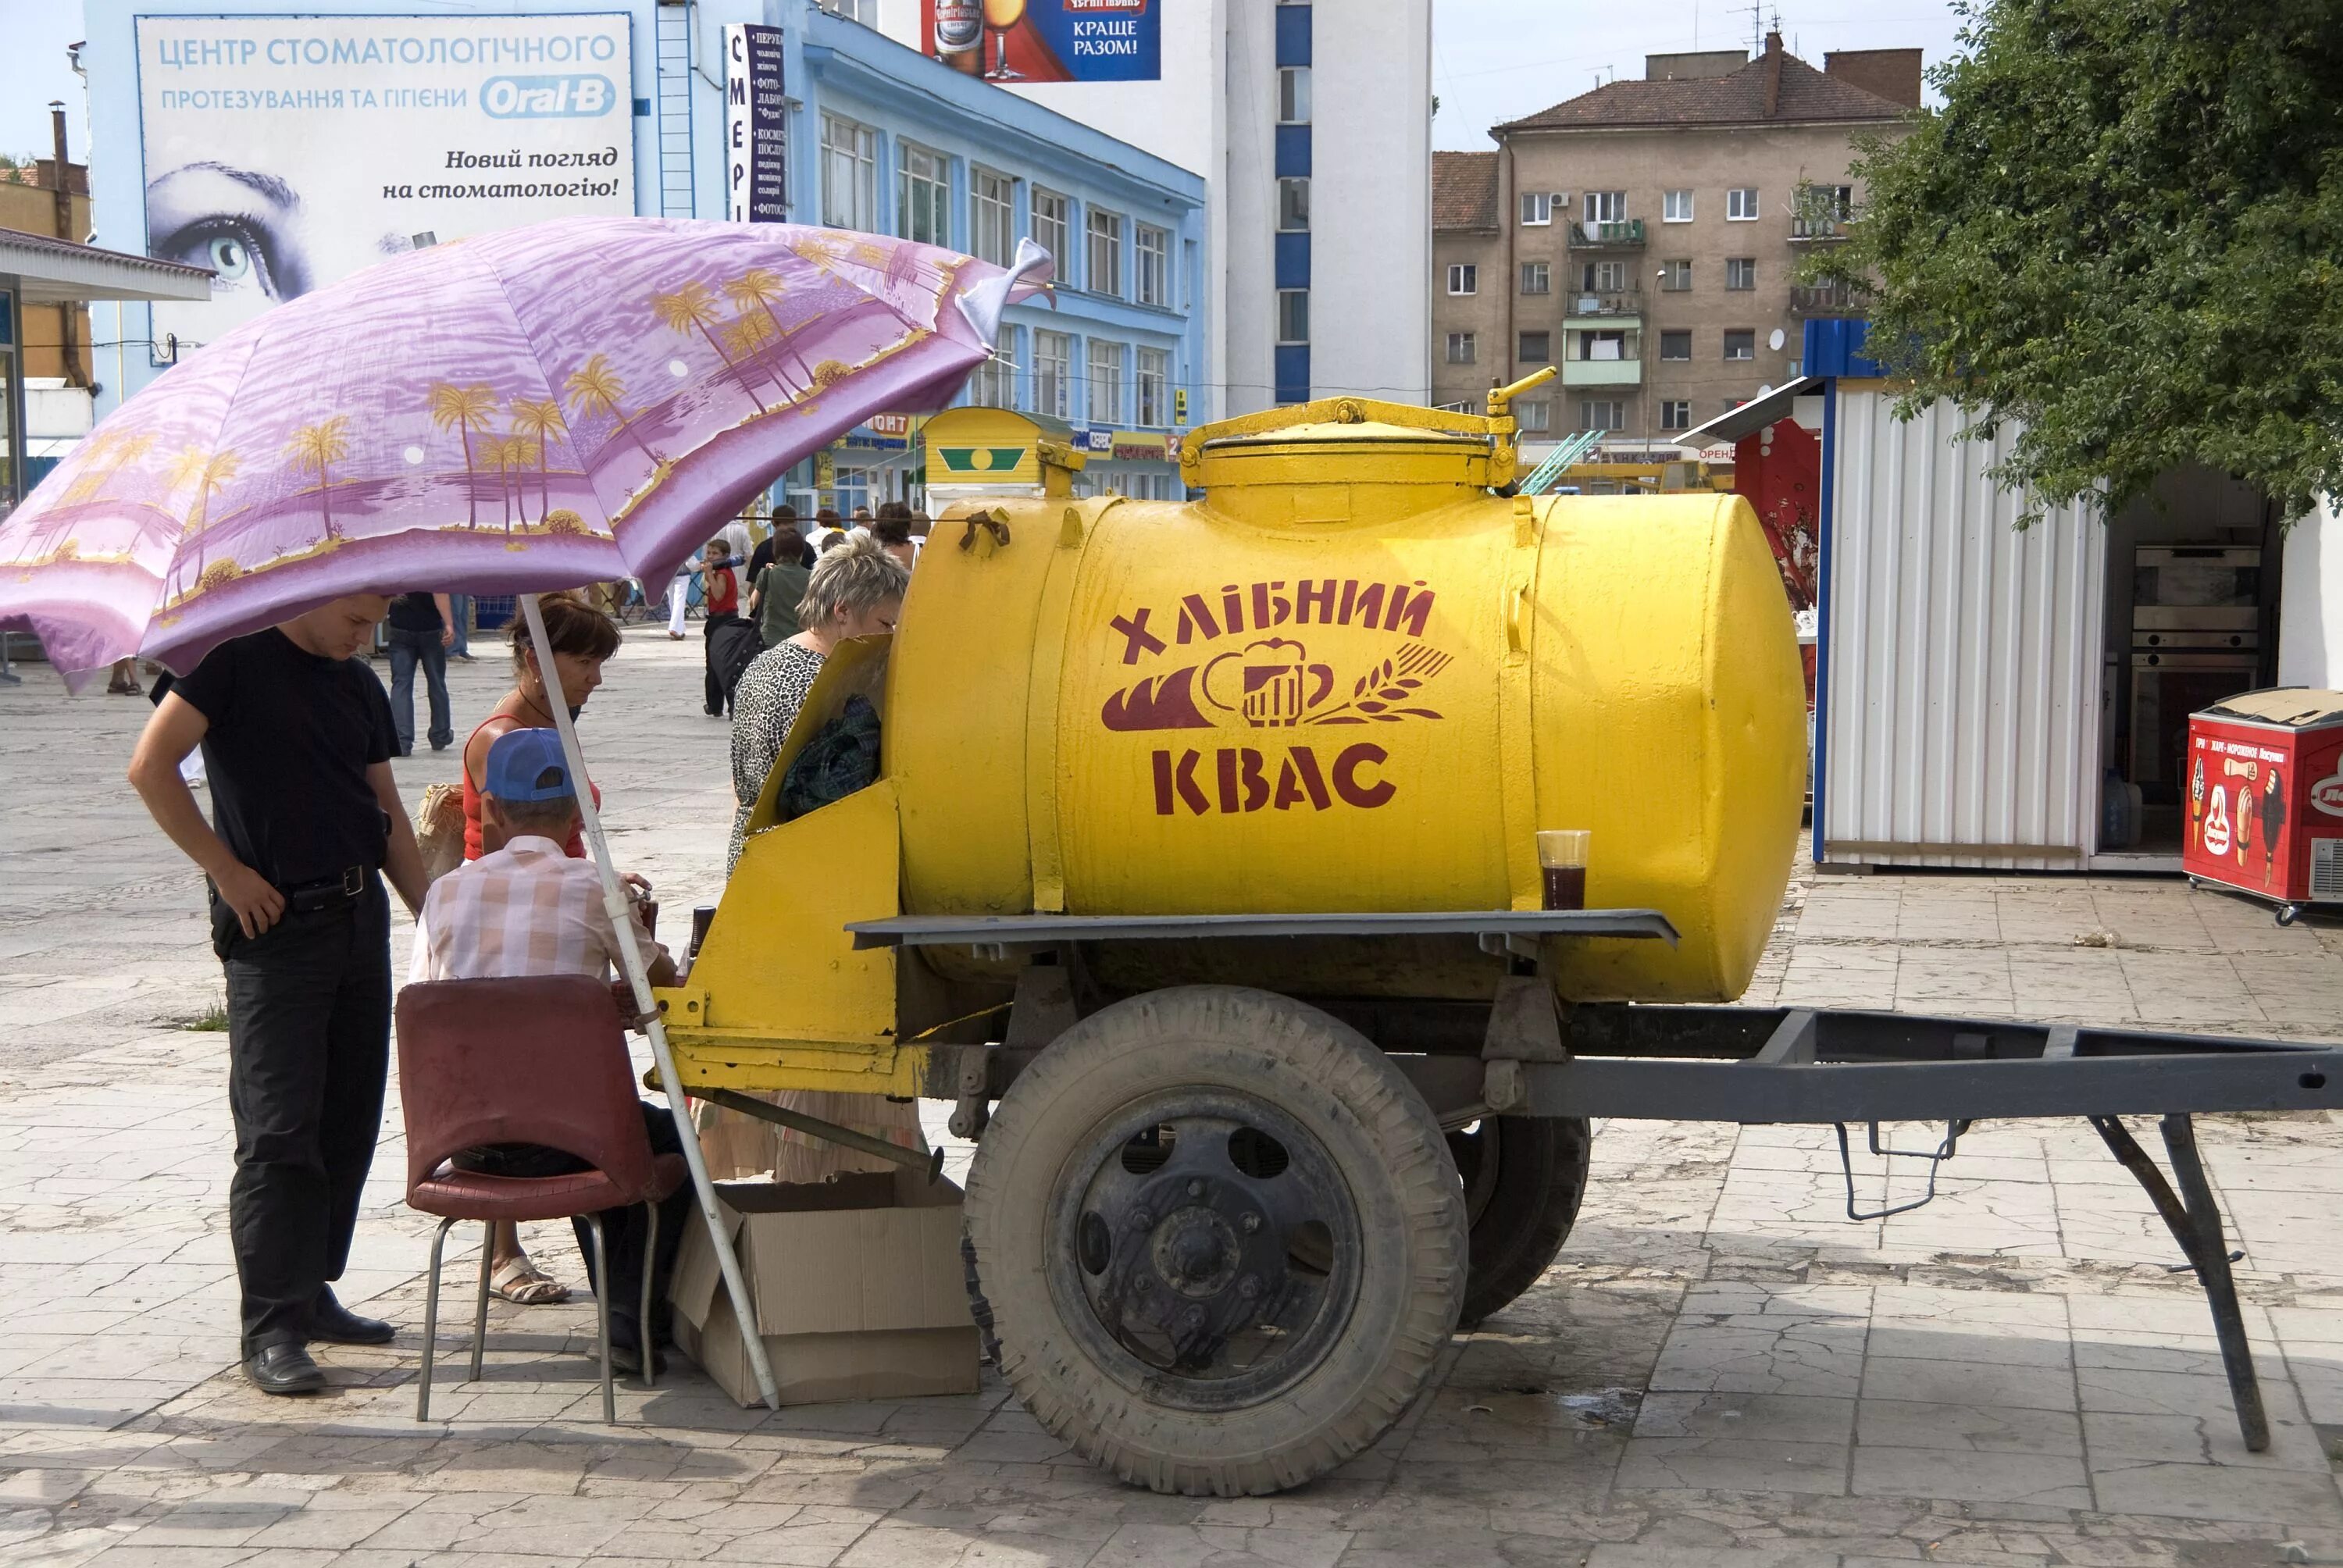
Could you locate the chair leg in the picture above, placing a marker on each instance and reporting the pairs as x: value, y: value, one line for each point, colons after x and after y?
x: 602, y: 1318
x: 650, y: 1251
x: 430, y: 1322
x: 480, y: 1307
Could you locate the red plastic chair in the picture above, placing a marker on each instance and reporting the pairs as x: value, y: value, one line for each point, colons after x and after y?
x: 539, y: 1060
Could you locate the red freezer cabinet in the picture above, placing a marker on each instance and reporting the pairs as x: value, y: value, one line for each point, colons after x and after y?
x: 2265, y: 797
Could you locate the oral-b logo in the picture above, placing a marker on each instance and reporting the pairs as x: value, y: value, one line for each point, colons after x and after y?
x: 546, y: 97
x: 2327, y: 794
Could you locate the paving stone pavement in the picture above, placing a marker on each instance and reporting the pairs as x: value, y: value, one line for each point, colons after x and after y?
x: 1722, y: 1371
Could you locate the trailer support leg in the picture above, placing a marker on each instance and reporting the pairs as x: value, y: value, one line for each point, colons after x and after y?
x: 2196, y: 1225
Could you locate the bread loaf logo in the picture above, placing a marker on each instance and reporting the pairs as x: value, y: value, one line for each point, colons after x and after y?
x: 1254, y: 667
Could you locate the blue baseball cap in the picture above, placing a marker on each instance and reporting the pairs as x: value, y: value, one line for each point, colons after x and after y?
x: 528, y: 765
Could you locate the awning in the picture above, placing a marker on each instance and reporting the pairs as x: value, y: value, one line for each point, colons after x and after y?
x: 47, y: 271
x: 1771, y: 408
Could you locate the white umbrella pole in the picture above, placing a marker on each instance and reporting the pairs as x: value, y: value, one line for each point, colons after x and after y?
x: 614, y: 899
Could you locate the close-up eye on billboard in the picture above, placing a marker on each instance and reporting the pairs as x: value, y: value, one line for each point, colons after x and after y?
x: 1047, y: 40
x: 287, y: 152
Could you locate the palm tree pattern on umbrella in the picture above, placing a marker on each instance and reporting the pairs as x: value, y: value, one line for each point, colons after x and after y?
x: 319, y: 447
x: 539, y: 420
x: 693, y: 307
x: 595, y: 390
x: 465, y: 409
x: 209, y: 473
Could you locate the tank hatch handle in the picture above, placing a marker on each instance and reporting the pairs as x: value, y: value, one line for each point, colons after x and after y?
x: 993, y: 525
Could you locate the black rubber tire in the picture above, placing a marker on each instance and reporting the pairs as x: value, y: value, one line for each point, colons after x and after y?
x: 1376, y: 1130
x: 1526, y: 1207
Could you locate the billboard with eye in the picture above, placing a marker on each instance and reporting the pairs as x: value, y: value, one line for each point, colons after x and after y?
x: 287, y: 152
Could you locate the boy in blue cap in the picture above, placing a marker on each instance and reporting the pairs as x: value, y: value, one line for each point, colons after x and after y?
x: 524, y: 908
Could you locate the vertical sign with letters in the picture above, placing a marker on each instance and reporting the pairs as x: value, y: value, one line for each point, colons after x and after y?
x: 756, y: 116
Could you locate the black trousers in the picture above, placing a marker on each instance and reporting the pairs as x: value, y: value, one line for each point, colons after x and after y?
x: 309, y: 1031
x: 715, y: 688
x: 622, y: 1228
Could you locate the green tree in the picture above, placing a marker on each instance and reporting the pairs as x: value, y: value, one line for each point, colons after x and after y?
x: 2125, y: 232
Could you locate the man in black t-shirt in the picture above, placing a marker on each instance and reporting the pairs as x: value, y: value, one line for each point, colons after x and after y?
x: 422, y: 629
x: 298, y: 739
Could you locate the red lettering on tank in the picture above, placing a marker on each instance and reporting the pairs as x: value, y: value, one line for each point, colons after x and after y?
x: 1301, y: 768
x: 1176, y: 784
x: 1269, y: 606
x: 1408, y: 610
x: 1317, y: 592
x: 1370, y: 606
x: 1225, y: 762
x: 1196, y: 619
x: 1232, y: 607
x: 1248, y: 774
x: 1136, y: 636
x: 1365, y: 754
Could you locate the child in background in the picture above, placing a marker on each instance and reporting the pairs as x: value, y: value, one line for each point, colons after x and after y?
x: 721, y: 585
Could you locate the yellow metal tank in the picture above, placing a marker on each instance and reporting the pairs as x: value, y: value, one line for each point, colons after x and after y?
x: 1353, y: 677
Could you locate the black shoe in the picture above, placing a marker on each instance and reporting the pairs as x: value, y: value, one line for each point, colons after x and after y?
x: 330, y: 1322
x: 284, y: 1367
x: 625, y: 1357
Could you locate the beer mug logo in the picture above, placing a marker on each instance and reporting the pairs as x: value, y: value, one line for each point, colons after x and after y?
x: 1271, y: 685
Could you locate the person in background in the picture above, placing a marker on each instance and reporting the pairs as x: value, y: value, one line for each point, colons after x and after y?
x: 297, y: 734
x: 855, y: 590
x: 862, y: 518
x: 581, y: 639
x: 460, y: 617
x: 678, y: 599
x: 122, y: 679
x: 523, y: 908
x: 785, y: 520
x: 422, y: 629
x: 828, y: 531
x: 774, y: 592
x: 893, y: 529
x: 721, y: 584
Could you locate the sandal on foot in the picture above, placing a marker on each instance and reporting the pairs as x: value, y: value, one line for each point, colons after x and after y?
x: 518, y: 1281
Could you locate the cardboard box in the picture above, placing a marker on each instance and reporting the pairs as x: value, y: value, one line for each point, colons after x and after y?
x: 858, y: 1287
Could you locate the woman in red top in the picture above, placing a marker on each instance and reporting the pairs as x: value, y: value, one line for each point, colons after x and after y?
x: 581, y: 639
x: 721, y: 584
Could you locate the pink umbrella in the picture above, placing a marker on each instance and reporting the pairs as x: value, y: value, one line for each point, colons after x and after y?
x: 578, y: 400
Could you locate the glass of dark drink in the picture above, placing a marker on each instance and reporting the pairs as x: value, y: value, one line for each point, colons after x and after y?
x: 1562, y: 856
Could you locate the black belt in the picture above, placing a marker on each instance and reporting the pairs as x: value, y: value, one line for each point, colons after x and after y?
x: 337, y: 891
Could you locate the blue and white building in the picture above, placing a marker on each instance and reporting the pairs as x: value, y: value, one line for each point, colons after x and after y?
x: 285, y: 146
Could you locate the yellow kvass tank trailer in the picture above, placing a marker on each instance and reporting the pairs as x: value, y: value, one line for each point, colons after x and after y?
x: 1205, y: 844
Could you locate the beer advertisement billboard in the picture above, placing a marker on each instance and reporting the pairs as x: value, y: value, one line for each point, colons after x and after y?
x: 286, y: 153
x: 1047, y: 40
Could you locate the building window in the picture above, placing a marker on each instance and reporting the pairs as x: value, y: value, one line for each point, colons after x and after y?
x: 1535, y: 414
x: 1602, y: 414
x: 1675, y: 414
x: 1293, y: 95
x: 1460, y: 348
x: 853, y: 488
x: 1463, y: 279
x: 1106, y: 253
x: 1537, y: 277
x: 1606, y: 206
x: 1675, y: 345
x: 1292, y: 205
x: 1740, y: 343
x: 849, y: 175
x: 992, y: 204
x: 1153, y: 246
x: 1294, y: 315
x: 1741, y: 204
x: 923, y: 195
x: 1740, y: 273
x: 1052, y: 369
x: 863, y: 11
x: 1676, y: 277
x: 1537, y: 208
x: 1536, y: 347
x: 1106, y: 382
x: 1605, y: 277
x: 1051, y: 213
x: 991, y: 384
x: 1155, y: 386
x: 1676, y: 207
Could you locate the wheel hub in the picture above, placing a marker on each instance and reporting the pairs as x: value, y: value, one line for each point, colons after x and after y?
x: 1215, y: 1245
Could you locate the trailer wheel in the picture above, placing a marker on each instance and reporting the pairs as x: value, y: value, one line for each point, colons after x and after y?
x: 1219, y: 1238
x: 1523, y: 1177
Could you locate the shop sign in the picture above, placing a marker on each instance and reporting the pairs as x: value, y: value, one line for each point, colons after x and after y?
x: 280, y: 150
x: 1140, y: 448
x: 755, y: 117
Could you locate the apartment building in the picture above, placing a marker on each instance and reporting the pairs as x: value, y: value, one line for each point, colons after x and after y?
x: 1644, y: 237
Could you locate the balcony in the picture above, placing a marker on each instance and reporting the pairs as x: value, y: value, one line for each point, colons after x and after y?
x: 1593, y: 302
x: 1806, y: 228
x: 1601, y: 372
x: 1614, y: 234
x: 1824, y: 299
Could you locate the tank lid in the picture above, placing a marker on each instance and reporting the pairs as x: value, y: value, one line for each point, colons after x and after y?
x: 1351, y: 441
x: 1375, y: 433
